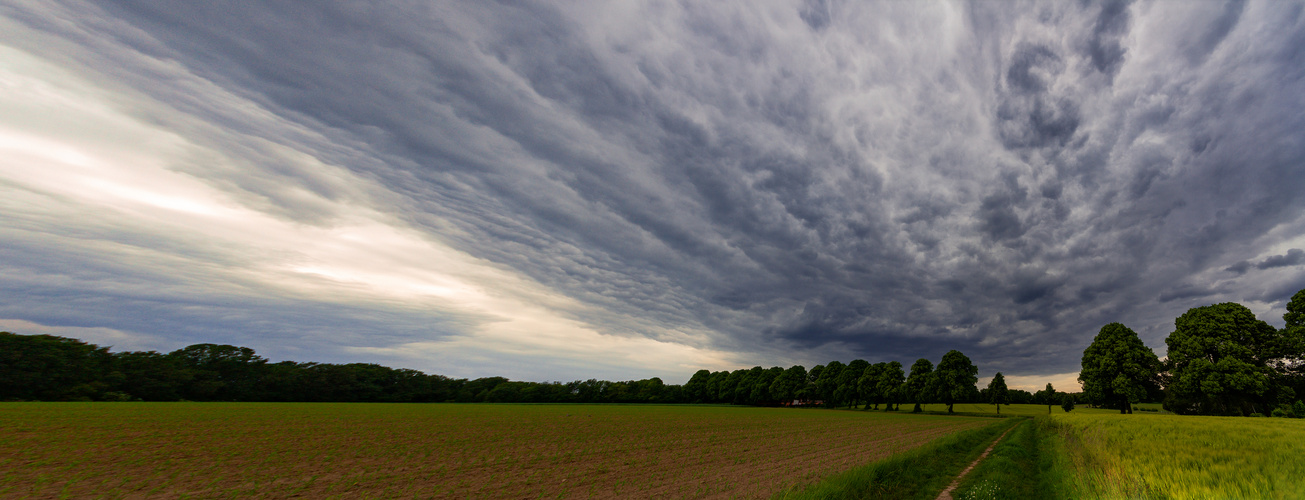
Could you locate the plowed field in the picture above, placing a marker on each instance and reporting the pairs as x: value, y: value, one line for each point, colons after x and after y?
x: 279, y: 450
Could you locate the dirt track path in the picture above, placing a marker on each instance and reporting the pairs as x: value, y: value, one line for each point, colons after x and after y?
x: 947, y: 493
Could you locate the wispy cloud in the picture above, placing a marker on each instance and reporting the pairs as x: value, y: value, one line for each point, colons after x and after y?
x: 649, y: 187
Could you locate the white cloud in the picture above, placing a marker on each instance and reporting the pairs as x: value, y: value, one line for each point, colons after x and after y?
x: 144, y: 179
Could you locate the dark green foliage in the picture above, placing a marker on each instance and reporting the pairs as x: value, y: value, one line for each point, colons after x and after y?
x: 920, y: 385
x: 847, y: 392
x: 868, y: 385
x: 955, y: 378
x: 997, y: 391
x: 1047, y: 396
x: 827, y: 384
x: 696, y: 388
x: 1295, y: 316
x: 889, y: 384
x: 1118, y: 369
x: 1298, y: 409
x: 790, y: 385
x: 1221, y: 359
x: 1067, y: 403
x: 45, y: 367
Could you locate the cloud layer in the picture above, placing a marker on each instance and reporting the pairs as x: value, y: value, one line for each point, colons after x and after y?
x: 645, y: 187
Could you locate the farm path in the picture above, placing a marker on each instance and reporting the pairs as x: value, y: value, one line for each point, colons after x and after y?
x: 947, y: 493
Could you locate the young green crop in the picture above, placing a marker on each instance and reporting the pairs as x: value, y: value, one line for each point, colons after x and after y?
x: 1169, y: 456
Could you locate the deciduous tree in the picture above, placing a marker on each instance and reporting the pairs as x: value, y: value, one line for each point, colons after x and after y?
x: 920, y: 384
x: 1220, y: 358
x: 868, y: 385
x: 1118, y: 369
x: 997, y: 391
x: 889, y: 384
x: 955, y: 378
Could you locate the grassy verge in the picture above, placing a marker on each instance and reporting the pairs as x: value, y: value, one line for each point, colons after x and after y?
x: 1029, y: 463
x: 919, y: 473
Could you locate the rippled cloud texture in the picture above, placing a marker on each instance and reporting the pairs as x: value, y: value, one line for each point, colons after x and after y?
x: 630, y: 189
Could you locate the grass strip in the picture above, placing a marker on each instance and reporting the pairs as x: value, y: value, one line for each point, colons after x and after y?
x: 921, y: 472
x: 1029, y: 463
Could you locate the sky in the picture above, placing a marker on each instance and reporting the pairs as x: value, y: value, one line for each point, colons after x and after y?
x: 628, y: 189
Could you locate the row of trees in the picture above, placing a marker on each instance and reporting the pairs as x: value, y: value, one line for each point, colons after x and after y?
x: 50, y: 368
x: 1222, y: 360
x: 835, y: 384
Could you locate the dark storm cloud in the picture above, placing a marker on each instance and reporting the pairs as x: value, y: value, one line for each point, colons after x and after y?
x: 1293, y: 257
x: 798, y: 177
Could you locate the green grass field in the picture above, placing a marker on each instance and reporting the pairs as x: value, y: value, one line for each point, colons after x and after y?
x: 219, y: 450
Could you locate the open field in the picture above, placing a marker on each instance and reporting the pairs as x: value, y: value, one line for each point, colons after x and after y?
x: 1170, y: 456
x: 439, y: 450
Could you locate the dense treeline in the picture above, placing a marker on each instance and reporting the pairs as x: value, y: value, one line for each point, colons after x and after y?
x: 1221, y: 360
x: 858, y: 383
x: 50, y: 368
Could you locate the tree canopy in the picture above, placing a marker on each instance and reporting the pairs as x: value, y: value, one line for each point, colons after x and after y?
x: 997, y: 391
x: 1220, y: 359
x: 1118, y: 369
x: 919, y: 384
x: 955, y: 378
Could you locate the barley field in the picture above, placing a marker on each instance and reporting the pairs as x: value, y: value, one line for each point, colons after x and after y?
x: 278, y: 450
x: 1182, y: 457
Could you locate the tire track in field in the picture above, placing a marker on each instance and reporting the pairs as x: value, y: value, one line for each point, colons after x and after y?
x: 947, y: 493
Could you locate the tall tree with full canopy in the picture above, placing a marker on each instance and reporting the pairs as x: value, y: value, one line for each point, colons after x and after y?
x: 696, y: 388
x: 997, y: 391
x: 761, y: 386
x: 919, y: 384
x: 868, y: 384
x: 827, y: 384
x: 846, y: 392
x: 889, y: 385
x: 1118, y: 369
x: 955, y: 378
x: 1220, y: 357
x: 789, y: 384
x: 1292, y: 365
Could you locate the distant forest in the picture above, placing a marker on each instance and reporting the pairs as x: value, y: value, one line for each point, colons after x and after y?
x: 51, y: 368
x: 1222, y: 361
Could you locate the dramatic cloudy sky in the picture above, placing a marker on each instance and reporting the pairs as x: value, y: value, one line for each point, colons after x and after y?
x: 626, y: 189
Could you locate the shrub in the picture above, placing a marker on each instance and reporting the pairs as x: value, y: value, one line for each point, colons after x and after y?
x: 1298, y: 409
x: 1257, y: 414
x: 1280, y: 413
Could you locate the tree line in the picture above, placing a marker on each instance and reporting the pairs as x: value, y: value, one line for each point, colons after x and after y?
x: 863, y: 384
x: 51, y: 368
x: 1222, y: 360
